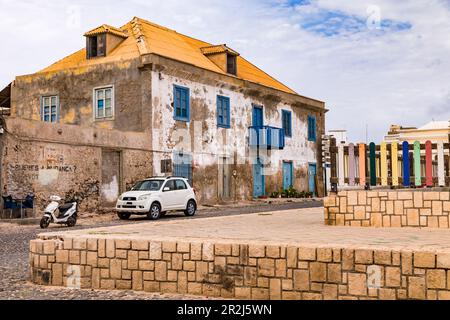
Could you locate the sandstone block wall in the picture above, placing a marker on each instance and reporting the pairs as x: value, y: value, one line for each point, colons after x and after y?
x: 395, y: 209
x: 241, y: 271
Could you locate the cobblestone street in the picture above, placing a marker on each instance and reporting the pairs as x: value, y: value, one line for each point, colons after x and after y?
x: 14, y: 250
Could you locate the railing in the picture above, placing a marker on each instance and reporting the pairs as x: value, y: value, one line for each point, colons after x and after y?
x: 390, y: 164
x: 267, y: 137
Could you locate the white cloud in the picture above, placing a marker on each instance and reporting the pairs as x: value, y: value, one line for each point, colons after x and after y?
x: 365, y: 77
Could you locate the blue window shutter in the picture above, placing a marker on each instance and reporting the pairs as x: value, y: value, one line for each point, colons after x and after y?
x: 223, y: 111
x: 181, y: 103
x: 287, y: 122
x: 312, y: 134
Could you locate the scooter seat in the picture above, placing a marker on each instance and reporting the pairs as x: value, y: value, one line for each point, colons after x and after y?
x: 65, y: 207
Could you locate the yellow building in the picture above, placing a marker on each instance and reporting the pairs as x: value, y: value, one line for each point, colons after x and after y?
x: 434, y: 131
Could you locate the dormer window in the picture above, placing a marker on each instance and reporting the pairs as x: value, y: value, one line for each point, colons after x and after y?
x: 96, y: 46
x: 102, y: 40
x: 231, y: 64
x: 224, y: 57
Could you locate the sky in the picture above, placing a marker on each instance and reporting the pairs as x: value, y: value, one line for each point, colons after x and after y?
x: 374, y: 63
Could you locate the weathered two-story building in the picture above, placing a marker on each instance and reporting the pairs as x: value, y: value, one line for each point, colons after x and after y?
x: 143, y: 100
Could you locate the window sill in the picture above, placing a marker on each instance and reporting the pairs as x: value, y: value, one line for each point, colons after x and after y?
x: 224, y: 126
x: 181, y: 119
x: 104, y: 119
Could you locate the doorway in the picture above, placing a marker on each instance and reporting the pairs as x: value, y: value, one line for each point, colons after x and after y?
x: 111, y: 178
x: 312, y: 175
x: 288, y: 180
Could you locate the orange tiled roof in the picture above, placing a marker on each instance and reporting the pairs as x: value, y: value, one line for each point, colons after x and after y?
x: 106, y: 29
x: 145, y: 37
x: 222, y: 48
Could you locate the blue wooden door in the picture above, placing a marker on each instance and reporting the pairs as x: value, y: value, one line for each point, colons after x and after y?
x: 258, y: 179
x: 287, y: 175
x: 182, y: 166
x: 258, y: 118
x: 312, y: 172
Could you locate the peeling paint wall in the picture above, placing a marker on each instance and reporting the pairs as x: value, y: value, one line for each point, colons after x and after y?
x: 202, y: 138
x: 65, y: 158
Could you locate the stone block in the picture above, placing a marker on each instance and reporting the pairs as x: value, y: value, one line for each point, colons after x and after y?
x: 431, y: 195
x: 256, y: 251
x: 436, y: 208
x: 307, y: 254
x: 395, y: 222
x: 433, y: 222
x: 223, y: 249
x: 91, y: 258
x: 398, y: 208
x: 318, y: 272
x: 169, y: 247
x: 153, y: 286
x: 324, y: 254
x: 413, y: 217
x: 376, y: 220
x: 243, y: 293
x: 416, y: 288
x: 292, y: 257
x: 140, y: 245
x: 273, y: 252
x: 161, y: 271
x: 301, y: 280
x: 387, y: 294
x: 110, y: 248
x: 62, y: 256
x: 280, y: 268
x: 266, y: 267
x: 116, y: 269
x: 275, y: 289
x: 357, y: 284
x: 360, y: 212
x: 352, y: 198
x: 418, y: 199
x: 146, y: 265
x: 196, y: 251
x: 137, y: 280
x: 155, y: 250
x: 260, y: 294
x: 424, y: 260
x: 208, y: 252
x: 364, y: 256
x: 334, y: 273
x: 443, y: 222
x: 107, y: 284
x: 436, y: 279
x: 348, y: 262
x: 393, y: 277
x: 443, y: 260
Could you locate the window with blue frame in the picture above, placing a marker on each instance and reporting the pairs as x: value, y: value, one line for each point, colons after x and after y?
x: 312, y: 129
x: 287, y: 123
x: 223, y: 112
x: 104, y: 103
x: 50, y: 109
x: 181, y: 103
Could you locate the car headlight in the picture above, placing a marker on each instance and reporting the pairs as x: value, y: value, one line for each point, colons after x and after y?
x: 142, y: 198
x: 121, y: 198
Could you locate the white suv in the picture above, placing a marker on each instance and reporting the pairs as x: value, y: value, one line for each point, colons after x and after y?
x: 154, y: 197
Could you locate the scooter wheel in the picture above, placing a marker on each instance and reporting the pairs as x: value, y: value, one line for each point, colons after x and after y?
x: 45, y: 222
x: 71, y: 222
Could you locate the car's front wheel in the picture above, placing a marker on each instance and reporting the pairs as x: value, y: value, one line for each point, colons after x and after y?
x: 191, y: 208
x: 124, y: 216
x: 155, y: 212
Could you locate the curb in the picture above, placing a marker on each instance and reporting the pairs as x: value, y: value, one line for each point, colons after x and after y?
x: 28, y: 221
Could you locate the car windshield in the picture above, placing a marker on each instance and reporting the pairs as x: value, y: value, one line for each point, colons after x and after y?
x: 148, y: 185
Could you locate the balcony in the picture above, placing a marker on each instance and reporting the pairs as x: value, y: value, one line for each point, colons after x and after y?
x: 266, y: 137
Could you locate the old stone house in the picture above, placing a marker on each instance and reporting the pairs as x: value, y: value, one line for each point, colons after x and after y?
x: 143, y: 100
